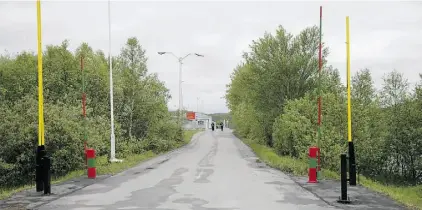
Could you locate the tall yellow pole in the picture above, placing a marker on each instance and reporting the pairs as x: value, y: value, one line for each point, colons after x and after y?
x: 352, y: 158
x: 349, y: 108
x: 40, y: 83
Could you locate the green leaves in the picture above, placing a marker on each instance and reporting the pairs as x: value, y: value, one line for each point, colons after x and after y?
x: 141, y: 98
x: 142, y: 117
x: 363, y: 91
x: 273, y: 100
x: 279, y: 68
x: 395, y: 89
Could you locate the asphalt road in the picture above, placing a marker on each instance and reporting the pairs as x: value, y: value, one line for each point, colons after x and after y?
x: 215, y: 172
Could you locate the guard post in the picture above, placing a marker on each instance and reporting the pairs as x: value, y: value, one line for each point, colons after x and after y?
x: 312, y: 173
x: 90, y: 154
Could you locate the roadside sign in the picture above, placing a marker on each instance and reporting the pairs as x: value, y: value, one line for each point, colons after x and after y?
x: 191, y: 115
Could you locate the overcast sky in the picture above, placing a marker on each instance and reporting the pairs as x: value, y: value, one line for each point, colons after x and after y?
x: 384, y: 35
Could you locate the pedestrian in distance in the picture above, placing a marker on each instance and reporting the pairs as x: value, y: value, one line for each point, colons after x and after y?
x: 221, y: 126
x: 212, y: 126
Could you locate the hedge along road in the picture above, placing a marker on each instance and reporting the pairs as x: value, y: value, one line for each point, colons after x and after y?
x: 216, y: 171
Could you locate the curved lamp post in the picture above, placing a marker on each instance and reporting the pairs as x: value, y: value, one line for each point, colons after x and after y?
x: 180, y: 59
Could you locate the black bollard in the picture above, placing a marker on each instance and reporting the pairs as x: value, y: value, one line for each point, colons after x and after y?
x: 343, y: 198
x: 38, y: 168
x: 352, y: 164
x: 47, y: 174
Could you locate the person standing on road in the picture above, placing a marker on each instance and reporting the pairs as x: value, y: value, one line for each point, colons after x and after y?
x: 221, y: 126
x: 212, y: 126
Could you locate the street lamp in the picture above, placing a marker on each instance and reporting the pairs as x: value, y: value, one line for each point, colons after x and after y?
x: 112, y: 135
x: 180, y: 59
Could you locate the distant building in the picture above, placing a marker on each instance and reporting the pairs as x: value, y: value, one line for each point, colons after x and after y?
x: 201, y: 121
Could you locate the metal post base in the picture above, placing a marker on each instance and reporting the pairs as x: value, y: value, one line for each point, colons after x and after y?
x: 344, y: 201
x: 39, y: 176
x: 343, y: 198
x: 115, y: 160
x: 352, y: 165
x: 46, y: 175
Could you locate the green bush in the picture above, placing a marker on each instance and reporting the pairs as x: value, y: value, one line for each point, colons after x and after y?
x: 142, y: 121
x: 273, y: 99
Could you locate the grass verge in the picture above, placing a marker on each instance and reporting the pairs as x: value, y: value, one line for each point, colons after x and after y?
x: 187, y: 136
x: 103, y: 167
x: 409, y: 196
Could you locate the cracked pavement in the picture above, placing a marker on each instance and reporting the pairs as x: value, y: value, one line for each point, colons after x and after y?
x: 216, y: 171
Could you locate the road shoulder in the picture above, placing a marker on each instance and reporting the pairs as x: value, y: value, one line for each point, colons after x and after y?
x: 329, y: 190
x: 360, y: 196
x: 30, y: 199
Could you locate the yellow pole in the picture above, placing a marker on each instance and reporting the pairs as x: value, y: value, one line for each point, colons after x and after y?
x: 40, y: 86
x: 349, y: 108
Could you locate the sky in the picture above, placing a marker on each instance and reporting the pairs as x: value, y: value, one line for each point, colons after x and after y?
x: 384, y: 36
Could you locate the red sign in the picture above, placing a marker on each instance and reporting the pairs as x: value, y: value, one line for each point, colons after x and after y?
x: 190, y: 115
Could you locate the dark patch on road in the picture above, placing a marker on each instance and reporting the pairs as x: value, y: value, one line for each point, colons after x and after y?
x: 180, y: 171
x: 208, y: 159
x: 298, y: 197
x: 203, y: 175
x: 299, y: 201
x: 284, y: 185
x: 152, y: 197
x: 163, y: 161
x: 73, y: 187
x: 276, y: 183
x: 197, y: 204
x: 255, y: 163
x: 193, y: 201
x: 294, y: 194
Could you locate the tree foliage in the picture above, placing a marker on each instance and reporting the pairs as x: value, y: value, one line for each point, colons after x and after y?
x: 142, y: 118
x: 279, y: 68
x: 273, y: 97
